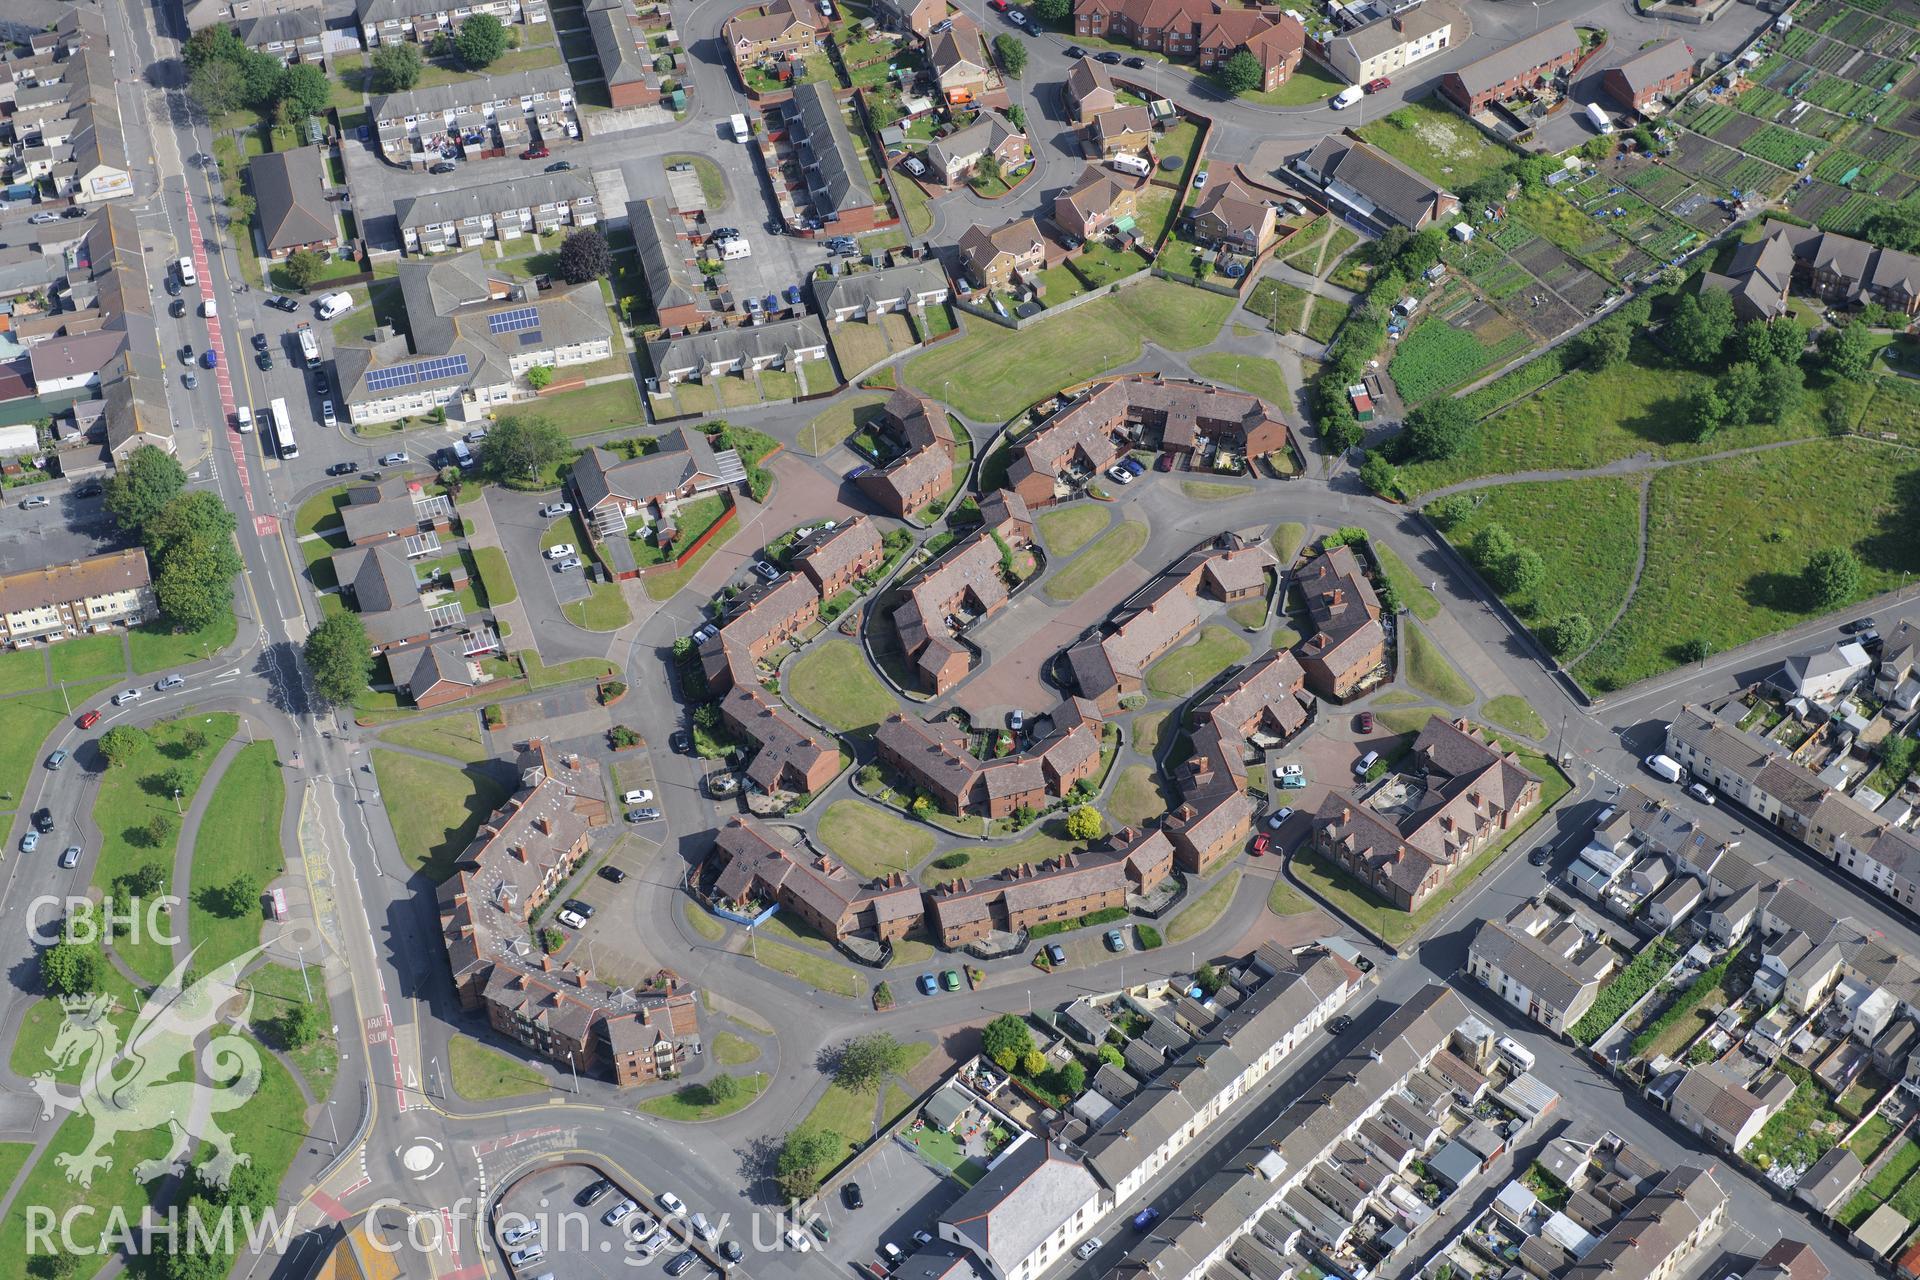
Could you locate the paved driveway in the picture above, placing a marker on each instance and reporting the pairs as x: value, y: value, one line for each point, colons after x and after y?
x: 542, y: 591
x: 68, y: 528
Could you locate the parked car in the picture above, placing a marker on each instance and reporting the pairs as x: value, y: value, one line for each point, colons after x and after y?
x: 264, y: 361
x: 1016, y: 720
x: 1366, y: 722
x: 1858, y: 625
x: 639, y: 795
x: 570, y: 563
x: 591, y: 1193
x: 1056, y: 954
x: 1116, y: 940
x: 731, y: 1251
x: 343, y: 468
x: 125, y: 696
x: 1088, y: 1248
x: 1107, y: 56
x: 1698, y: 790
x: 1377, y: 84
x: 615, y: 874
x: 681, y: 742
x: 560, y: 166
x: 941, y: 27
x: 1136, y: 63
x: 167, y: 682
x: 928, y: 984
x: 1279, y: 818
x: 682, y: 1263
x: 327, y: 417
x: 950, y: 980
x: 281, y: 302
x: 441, y: 167
x: 571, y: 919
x: 1134, y: 465
x: 648, y: 814
x: 793, y: 1238
x: 1019, y: 18
x: 618, y: 1214
x: 557, y: 509
x: 1259, y: 846
x: 1163, y: 463
x: 559, y: 550
x: 43, y: 217
x: 322, y: 385
x: 1075, y: 51
x: 1540, y: 857
x: 671, y: 1202
x: 525, y: 1231
x: 891, y: 1254
x: 1340, y: 1025
x: 535, y: 152
x: 766, y: 570
x: 396, y: 459
x: 36, y: 502
x: 527, y: 1256
x: 1119, y: 474
x: 1145, y: 1218
x: 850, y: 1194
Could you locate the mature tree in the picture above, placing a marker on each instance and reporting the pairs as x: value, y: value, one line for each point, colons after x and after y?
x: 1705, y: 413
x: 122, y: 743
x: 866, y: 1060
x: 194, y: 587
x: 1526, y: 571
x: 803, y: 1157
x: 1779, y: 390
x: 1241, y: 73
x: 1006, y: 1040
x: 1896, y: 755
x: 70, y: 968
x: 1051, y: 12
x: 1739, y: 389
x: 193, y: 517
x: 1758, y: 342
x: 1844, y: 351
x: 239, y: 897
x: 519, y: 445
x: 584, y: 256
x: 340, y: 657
x: 141, y: 488
x: 723, y: 1089
x: 1111, y: 1056
x: 217, y: 88
x: 1606, y: 344
x: 1017, y: 114
x: 1694, y: 650
x: 1441, y: 428
x: 240, y: 207
x: 1340, y: 429
x: 397, y: 67
x: 54, y: 1266
x: 261, y: 75
x: 303, y: 266
x: 1085, y: 823
x: 1897, y: 226
x: 1072, y: 1078
x: 1493, y: 547
x: 149, y: 880
x: 1379, y: 475
x: 1700, y: 327
x: 193, y: 1256
x: 217, y: 43
x: 299, y: 1026
x: 305, y: 90
x: 1011, y: 54
x: 1033, y: 1063
x: 1449, y: 511
x: 1485, y: 191
x: 1831, y: 578
x: 1568, y: 634
x: 481, y: 41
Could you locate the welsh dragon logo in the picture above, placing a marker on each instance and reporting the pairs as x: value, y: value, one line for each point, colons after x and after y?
x: 134, y: 1088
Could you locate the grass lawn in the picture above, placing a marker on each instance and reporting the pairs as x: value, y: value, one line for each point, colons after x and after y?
x: 1286, y: 540
x: 434, y: 808
x: 457, y: 736
x: 1413, y: 593
x: 541, y: 676
x: 1049, y: 841
x: 664, y: 586
x: 859, y: 345
x: 834, y: 682
x: 707, y: 926
x: 1251, y: 614
x: 834, y: 424
x: 1396, y: 926
x: 816, y: 971
x: 1067, y: 529
x: 240, y: 838
x: 713, y: 183
x: 1256, y: 374
x: 1726, y: 542
x: 1208, y: 491
x: 873, y: 841
x: 1285, y: 900
x: 1111, y: 550
x: 277, y: 987
x: 846, y: 1114
x: 1434, y: 141
x: 1589, y: 561
x: 1201, y: 914
x: 321, y: 513
x: 22, y: 670
x: 133, y: 794
x: 495, y: 577
x: 730, y: 1050
x: 481, y: 1074
x: 1157, y: 732
x: 604, y: 609
x: 989, y: 373
x: 87, y: 657
x: 1325, y: 319
x: 113, y: 1191
x: 1429, y: 671
x: 1310, y: 82
x: 156, y: 646
x: 585, y: 411
x: 1511, y: 712
x: 692, y: 1101
x: 29, y: 719
x: 1136, y: 797
x: 1192, y: 665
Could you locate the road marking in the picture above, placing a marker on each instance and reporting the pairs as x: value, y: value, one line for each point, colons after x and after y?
x: 265, y: 526
x: 221, y: 377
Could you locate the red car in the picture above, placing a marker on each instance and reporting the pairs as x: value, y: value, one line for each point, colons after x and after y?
x: 1375, y: 86
x: 1366, y: 722
x: 535, y: 153
x: 89, y: 720
x: 999, y: 5
x: 1163, y: 463
x: 1259, y: 844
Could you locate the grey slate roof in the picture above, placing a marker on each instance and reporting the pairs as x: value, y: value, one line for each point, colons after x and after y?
x: 1519, y: 57
x: 885, y: 285
x: 672, y: 281
x: 493, y: 197
x: 1656, y: 64
x: 621, y: 61
x: 1383, y: 180
x: 1029, y: 1192
x: 291, y: 199
x: 720, y: 346
x: 470, y: 91
x: 835, y: 174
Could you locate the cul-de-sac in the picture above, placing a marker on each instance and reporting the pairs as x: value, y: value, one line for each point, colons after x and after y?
x: 960, y: 639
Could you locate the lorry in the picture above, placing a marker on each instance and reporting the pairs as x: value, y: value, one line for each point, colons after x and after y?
x: 741, y: 133
x: 1601, y: 122
x: 1348, y: 96
x: 309, y: 347
x: 1663, y: 766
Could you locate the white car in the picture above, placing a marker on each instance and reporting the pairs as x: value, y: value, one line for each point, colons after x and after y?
x: 571, y: 562
x: 572, y: 919
x: 393, y: 459
x: 647, y: 1246
x: 1279, y: 818
x: 1088, y: 1249
x: 561, y: 550
x: 671, y: 1202
x: 557, y: 509
x: 170, y: 682
x: 1120, y: 475
x: 797, y: 1240
x: 766, y: 570
x: 643, y: 1226
x: 638, y: 796
x: 526, y: 1257
x: 1699, y: 792
x: 619, y: 1212
x: 525, y: 1231
x: 125, y: 696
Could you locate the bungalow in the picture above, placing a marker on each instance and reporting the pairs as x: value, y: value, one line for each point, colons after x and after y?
x: 784, y: 344
x: 1097, y: 201
x: 867, y: 295
x: 999, y: 257
x: 611, y: 489
x: 1372, y: 185
x: 290, y: 200
x: 438, y: 673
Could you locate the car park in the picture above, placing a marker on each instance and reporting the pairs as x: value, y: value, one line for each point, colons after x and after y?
x: 1056, y: 954
x: 553, y: 509
x: 796, y: 1240
x: 560, y: 550
x: 525, y: 1231
x: 70, y: 857
x: 731, y: 1252
x: 396, y: 459
x: 527, y: 1256
x: 1115, y: 940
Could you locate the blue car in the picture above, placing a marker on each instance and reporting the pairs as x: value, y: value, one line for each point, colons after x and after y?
x: 209, y: 358
x: 772, y: 303
x: 1144, y: 1219
x: 1134, y: 465
x: 793, y: 295
x: 928, y: 985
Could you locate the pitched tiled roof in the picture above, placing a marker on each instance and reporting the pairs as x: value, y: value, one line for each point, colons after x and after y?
x: 1523, y: 55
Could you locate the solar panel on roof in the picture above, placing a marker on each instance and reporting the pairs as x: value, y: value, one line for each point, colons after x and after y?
x: 513, y: 321
x: 530, y: 338
x: 405, y: 375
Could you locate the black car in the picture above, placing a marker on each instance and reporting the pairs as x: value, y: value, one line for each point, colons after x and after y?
x: 1858, y: 625
x: 1539, y: 857
x: 264, y: 360
x: 75, y: 212
x: 43, y: 820
x: 614, y: 874
x: 321, y: 386
x: 682, y: 1263
x: 91, y: 489
x: 442, y: 167
x: 850, y: 1196
x: 177, y: 308
x: 1138, y: 64
x: 173, y: 287
x: 281, y: 302
x: 566, y: 166
x: 731, y: 1250
x: 1340, y: 1025
x: 186, y: 352
x: 1056, y: 954
x: 681, y: 741
x: 1107, y: 56
x: 1363, y: 964
x: 579, y: 908
x: 592, y: 1192
x: 260, y: 342
x: 1075, y: 51
x: 343, y: 468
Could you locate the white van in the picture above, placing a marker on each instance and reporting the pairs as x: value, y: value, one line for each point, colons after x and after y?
x: 335, y: 304
x: 1664, y: 767
x: 1135, y: 165
x: 1514, y: 1053
x: 741, y: 133
x: 209, y: 308
x: 187, y: 273
x: 1601, y: 121
x: 735, y: 248
x: 1348, y: 96
x: 243, y: 420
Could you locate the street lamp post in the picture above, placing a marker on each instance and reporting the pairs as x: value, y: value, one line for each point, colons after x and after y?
x: 333, y: 1127
x: 576, y: 1071
x: 305, y: 981
x: 176, y: 801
